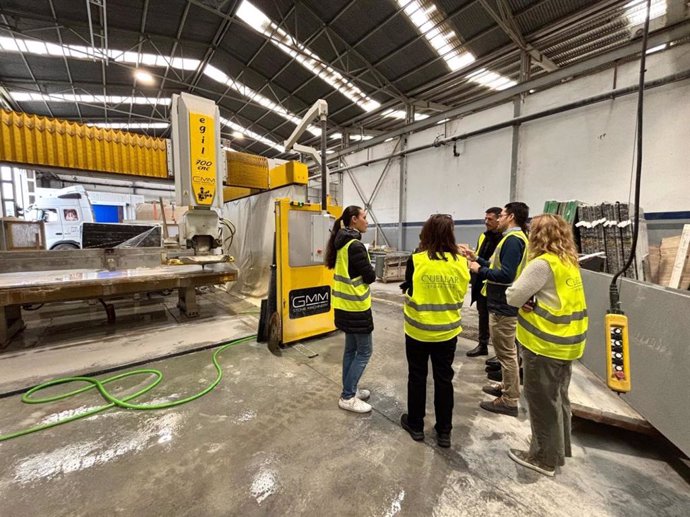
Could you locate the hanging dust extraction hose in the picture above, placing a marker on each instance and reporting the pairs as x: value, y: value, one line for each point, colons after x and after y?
x: 114, y: 401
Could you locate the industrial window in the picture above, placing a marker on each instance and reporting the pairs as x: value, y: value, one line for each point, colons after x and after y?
x: 50, y: 215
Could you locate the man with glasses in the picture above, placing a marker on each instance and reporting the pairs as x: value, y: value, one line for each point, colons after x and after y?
x: 505, y: 266
x: 485, y: 248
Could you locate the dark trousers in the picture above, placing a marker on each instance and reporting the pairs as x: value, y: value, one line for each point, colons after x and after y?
x: 546, y: 391
x: 483, y: 312
x: 441, y: 354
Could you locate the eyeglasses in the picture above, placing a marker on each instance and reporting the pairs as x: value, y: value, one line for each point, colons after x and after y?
x: 447, y: 216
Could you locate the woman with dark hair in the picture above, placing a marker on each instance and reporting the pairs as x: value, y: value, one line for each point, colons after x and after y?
x: 352, y: 302
x: 435, y: 284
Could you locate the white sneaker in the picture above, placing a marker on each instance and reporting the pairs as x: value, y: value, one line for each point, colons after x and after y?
x: 354, y: 404
x: 363, y: 394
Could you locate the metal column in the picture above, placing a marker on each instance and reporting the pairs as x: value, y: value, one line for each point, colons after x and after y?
x: 402, y: 197
x: 517, y: 107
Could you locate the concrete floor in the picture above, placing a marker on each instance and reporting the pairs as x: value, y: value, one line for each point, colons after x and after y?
x: 270, y: 440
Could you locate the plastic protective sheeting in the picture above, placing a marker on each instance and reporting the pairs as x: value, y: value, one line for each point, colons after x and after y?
x: 252, y: 245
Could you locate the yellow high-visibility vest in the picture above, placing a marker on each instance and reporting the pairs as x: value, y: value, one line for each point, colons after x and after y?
x: 432, y: 313
x: 557, y: 332
x: 480, y: 241
x: 349, y: 294
x: 495, y: 262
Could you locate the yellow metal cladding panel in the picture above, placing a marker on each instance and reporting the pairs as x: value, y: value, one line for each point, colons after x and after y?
x: 232, y: 193
x: 202, y: 157
x: 246, y: 170
x: 287, y: 174
x: 33, y: 140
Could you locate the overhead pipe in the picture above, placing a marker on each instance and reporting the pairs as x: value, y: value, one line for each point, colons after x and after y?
x: 680, y: 76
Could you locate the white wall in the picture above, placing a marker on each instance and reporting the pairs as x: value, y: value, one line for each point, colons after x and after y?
x: 584, y: 154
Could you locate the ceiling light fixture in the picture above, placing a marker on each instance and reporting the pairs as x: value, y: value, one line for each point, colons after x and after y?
x: 424, y: 16
x: 144, y: 77
x: 251, y: 134
x: 130, y: 125
x: 636, y: 11
x: 86, y: 98
x: 261, y: 23
x: 658, y: 48
x: 491, y: 79
x: 402, y: 115
x: 28, y: 46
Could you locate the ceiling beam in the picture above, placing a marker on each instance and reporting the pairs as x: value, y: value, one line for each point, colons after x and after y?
x: 505, y: 20
x: 679, y: 31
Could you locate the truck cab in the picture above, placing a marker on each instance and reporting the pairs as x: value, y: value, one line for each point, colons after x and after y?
x: 65, y: 210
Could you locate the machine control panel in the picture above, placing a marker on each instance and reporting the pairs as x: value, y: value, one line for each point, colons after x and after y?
x: 617, y: 352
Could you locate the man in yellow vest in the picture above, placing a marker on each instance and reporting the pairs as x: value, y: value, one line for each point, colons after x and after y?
x: 499, y: 273
x: 486, y: 244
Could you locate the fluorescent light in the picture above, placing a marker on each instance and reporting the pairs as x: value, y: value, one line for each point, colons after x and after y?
x: 143, y: 76
x: 402, y: 115
x: 28, y: 46
x: 658, y: 48
x: 251, y: 134
x: 130, y: 125
x: 238, y: 135
x: 388, y: 140
x: 86, y: 98
x: 261, y: 23
x: 246, y: 91
x: 353, y: 137
x: 636, y: 11
x: 441, y: 37
x: 491, y: 79
x: 442, y: 121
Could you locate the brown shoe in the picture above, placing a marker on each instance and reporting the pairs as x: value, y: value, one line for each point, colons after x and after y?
x: 500, y: 406
x: 523, y: 458
x: 495, y: 390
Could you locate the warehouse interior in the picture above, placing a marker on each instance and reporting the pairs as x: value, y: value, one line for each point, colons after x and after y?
x: 171, y: 171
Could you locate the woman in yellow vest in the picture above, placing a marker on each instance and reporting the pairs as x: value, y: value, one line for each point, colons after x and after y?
x: 435, y: 284
x: 351, y: 301
x: 552, y: 329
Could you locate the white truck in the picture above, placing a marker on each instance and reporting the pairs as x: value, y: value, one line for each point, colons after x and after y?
x: 65, y: 210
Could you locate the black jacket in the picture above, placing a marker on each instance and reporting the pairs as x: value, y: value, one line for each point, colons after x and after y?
x: 491, y: 240
x: 358, y: 265
x: 511, y: 256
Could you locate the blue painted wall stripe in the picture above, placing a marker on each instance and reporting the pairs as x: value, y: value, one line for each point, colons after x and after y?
x: 650, y: 216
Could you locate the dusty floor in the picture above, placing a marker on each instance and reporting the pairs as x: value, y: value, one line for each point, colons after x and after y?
x: 270, y: 440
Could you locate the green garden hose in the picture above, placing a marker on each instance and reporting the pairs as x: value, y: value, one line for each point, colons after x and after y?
x: 112, y: 400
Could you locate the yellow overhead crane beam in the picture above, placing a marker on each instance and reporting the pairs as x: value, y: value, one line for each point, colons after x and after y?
x: 32, y: 140
x: 248, y: 174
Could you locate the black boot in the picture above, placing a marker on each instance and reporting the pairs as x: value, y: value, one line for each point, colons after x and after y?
x: 480, y: 349
x: 497, y: 376
x: 492, y: 361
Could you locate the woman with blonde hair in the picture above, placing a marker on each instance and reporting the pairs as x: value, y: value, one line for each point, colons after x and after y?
x: 552, y: 329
